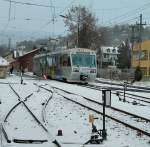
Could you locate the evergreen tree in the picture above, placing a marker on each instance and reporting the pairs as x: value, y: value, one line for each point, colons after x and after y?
x: 124, y: 57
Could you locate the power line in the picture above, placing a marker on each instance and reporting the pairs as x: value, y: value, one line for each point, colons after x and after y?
x: 143, y: 7
x: 128, y: 20
x: 67, y: 6
x: 30, y: 4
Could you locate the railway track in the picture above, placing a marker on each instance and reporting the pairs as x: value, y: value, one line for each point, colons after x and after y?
x: 22, y: 102
x: 135, y: 122
x: 120, y: 91
x: 120, y: 84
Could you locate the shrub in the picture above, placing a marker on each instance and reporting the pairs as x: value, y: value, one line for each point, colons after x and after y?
x: 138, y: 74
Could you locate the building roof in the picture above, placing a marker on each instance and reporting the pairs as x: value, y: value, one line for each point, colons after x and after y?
x: 109, y: 49
x: 3, y: 62
x: 32, y: 51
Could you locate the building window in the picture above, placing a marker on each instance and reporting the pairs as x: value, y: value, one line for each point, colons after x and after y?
x: 144, y: 55
x: 144, y: 70
x: 104, y: 55
x: 114, y: 51
x: 149, y: 71
x: 149, y: 55
x: 135, y: 55
x: 108, y: 50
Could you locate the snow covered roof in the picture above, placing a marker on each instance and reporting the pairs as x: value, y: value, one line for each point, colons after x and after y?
x: 3, y: 62
x: 109, y: 49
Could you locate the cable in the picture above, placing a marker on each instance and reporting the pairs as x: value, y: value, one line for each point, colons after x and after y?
x: 145, y: 6
x: 134, y: 18
x: 31, y: 4
x: 67, y: 7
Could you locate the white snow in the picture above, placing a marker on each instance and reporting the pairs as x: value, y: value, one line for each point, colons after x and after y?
x: 62, y: 114
x: 3, y: 62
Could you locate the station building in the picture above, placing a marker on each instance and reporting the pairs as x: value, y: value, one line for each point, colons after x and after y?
x: 141, y: 57
x: 24, y: 61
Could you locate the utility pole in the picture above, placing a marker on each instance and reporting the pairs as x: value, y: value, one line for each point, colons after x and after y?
x: 9, y: 17
x: 78, y: 27
x: 9, y: 44
x: 140, y: 29
x: 132, y: 39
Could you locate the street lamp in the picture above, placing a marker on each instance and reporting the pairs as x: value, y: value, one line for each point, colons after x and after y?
x: 77, y: 21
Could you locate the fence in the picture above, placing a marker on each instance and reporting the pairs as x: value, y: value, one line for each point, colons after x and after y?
x: 116, y: 74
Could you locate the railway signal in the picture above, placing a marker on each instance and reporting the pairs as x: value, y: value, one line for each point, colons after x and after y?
x: 106, y: 97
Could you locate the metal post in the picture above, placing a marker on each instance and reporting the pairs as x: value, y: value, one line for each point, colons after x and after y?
x: 78, y: 34
x: 125, y: 86
x: 104, y: 135
x: 140, y: 27
x: 78, y: 28
x: 21, y: 78
x: 21, y: 72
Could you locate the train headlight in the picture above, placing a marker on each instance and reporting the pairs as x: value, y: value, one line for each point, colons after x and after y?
x: 93, y: 71
x: 75, y: 70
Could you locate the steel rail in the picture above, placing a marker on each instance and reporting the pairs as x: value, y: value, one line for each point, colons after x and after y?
x: 115, y: 119
x: 6, y: 134
x: 128, y: 85
x: 115, y: 89
x: 29, y: 141
x: 37, y: 120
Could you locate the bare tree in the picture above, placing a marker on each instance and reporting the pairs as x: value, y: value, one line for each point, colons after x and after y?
x: 83, y: 27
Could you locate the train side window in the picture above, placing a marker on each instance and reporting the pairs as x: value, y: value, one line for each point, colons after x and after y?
x: 54, y: 61
x: 61, y: 60
x: 69, y: 62
x: 65, y: 60
x: 49, y: 61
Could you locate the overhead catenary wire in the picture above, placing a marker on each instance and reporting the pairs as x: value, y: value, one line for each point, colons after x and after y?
x: 27, y: 3
x: 70, y: 4
x: 128, y: 20
x: 52, y: 7
x: 132, y: 12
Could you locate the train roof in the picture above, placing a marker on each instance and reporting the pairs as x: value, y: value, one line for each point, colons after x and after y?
x: 66, y: 51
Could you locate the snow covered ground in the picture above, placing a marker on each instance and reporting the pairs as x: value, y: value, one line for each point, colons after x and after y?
x: 62, y: 114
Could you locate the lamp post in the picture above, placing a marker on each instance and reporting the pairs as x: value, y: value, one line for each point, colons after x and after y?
x: 78, y: 30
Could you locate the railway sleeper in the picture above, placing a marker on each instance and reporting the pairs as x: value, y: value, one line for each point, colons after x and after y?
x: 29, y: 141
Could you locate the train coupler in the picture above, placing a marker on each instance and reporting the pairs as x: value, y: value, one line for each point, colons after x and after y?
x: 83, y: 77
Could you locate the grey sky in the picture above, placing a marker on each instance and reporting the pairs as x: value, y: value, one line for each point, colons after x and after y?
x: 37, y: 21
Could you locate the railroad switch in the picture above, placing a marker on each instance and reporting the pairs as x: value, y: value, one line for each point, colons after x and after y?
x: 96, y: 136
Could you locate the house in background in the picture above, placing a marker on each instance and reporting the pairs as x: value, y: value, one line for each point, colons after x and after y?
x: 24, y: 60
x: 109, y: 56
x: 141, y: 57
x: 3, y: 67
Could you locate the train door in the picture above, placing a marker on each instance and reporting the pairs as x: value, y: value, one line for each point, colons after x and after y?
x: 65, y: 66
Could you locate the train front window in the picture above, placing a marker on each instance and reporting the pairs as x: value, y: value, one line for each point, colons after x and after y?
x: 81, y: 59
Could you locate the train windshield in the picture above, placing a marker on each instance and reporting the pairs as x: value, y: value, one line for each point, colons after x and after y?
x: 83, y: 59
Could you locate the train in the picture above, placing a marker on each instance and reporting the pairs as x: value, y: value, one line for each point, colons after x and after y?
x: 70, y: 65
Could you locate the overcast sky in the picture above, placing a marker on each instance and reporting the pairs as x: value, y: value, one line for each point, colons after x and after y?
x: 30, y: 22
